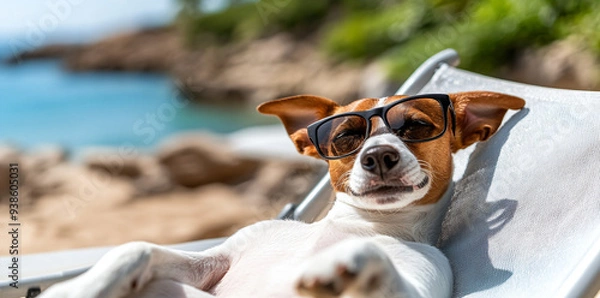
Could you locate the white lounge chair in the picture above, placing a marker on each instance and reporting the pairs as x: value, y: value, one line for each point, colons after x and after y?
x: 525, y: 216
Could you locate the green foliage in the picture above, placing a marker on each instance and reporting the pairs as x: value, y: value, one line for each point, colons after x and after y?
x: 361, y: 35
x: 403, y: 33
x: 249, y: 20
x: 292, y: 14
x: 583, y: 24
x: 488, y: 34
x: 222, y: 26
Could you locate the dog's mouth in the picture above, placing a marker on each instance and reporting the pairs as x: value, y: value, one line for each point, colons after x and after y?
x: 385, y: 193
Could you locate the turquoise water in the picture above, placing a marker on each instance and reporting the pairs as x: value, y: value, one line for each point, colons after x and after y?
x: 40, y: 104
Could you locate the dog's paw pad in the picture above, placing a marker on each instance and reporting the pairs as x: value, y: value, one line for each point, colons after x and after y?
x: 317, y: 287
x: 345, y: 273
x: 327, y: 285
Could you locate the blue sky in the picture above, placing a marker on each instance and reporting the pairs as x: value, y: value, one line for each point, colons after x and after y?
x: 61, y: 19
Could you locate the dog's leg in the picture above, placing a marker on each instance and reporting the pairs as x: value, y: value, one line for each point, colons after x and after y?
x: 129, y: 267
x: 361, y: 268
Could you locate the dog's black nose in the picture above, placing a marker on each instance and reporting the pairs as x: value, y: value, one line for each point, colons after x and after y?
x: 379, y: 159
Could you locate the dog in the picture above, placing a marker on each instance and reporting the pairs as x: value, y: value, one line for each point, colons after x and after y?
x: 390, y: 164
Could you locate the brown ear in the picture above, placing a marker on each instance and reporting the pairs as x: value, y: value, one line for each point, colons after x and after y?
x: 296, y: 113
x: 479, y: 114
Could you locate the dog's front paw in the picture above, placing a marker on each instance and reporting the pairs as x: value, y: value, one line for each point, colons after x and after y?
x: 327, y: 284
x: 359, y: 269
x: 120, y: 272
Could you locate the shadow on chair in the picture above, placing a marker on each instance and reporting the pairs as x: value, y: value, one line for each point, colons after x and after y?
x: 473, y: 218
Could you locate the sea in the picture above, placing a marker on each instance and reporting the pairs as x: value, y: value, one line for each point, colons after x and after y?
x: 41, y: 105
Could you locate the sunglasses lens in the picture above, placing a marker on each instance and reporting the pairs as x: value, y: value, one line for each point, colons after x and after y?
x: 341, y: 135
x: 417, y: 119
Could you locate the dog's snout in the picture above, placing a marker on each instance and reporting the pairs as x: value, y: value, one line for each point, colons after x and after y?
x: 379, y: 159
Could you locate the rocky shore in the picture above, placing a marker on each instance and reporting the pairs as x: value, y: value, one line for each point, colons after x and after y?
x: 252, y: 72
x: 193, y: 186
x: 280, y: 65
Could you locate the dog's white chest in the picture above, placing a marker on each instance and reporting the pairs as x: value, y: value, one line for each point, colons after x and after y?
x: 272, y: 254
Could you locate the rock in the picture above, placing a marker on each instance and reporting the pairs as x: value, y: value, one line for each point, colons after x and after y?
x: 37, y: 176
x: 154, y: 178
x: 143, y: 171
x: 145, y: 50
x: 40, y: 166
x: 151, y: 184
x: 57, y: 180
x: 45, y: 158
x: 197, y: 159
x: 49, y: 51
x: 255, y: 71
x: 279, y: 182
x: 115, y: 164
x: 266, y: 69
x: 561, y: 64
x: 8, y: 155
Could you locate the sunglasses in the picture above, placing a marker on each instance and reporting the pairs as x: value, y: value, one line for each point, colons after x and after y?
x: 413, y: 119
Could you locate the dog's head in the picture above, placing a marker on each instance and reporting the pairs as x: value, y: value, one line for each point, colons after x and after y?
x: 391, y: 152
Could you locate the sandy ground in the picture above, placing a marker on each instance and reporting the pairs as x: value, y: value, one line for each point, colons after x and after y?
x: 65, y: 204
x: 63, y: 222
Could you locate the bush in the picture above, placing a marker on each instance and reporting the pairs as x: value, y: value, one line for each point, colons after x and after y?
x: 254, y: 20
x: 403, y: 33
x: 367, y: 34
x: 487, y: 35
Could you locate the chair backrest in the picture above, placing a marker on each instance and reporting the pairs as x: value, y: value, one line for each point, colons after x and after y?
x: 525, y: 216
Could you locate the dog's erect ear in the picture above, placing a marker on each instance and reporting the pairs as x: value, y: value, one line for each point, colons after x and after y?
x: 296, y: 113
x: 479, y: 114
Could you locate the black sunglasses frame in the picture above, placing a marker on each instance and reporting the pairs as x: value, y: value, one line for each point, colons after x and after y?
x: 381, y: 112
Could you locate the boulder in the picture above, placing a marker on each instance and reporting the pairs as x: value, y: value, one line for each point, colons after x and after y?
x: 45, y: 52
x: 44, y: 158
x: 115, y: 164
x: 279, y: 66
x: 279, y: 182
x: 144, y: 172
x: 8, y: 155
x: 197, y: 159
x: 565, y: 64
x: 40, y: 166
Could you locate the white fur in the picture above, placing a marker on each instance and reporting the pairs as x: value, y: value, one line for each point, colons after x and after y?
x: 408, y: 172
x: 360, y: 249
x: 381, y: 101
